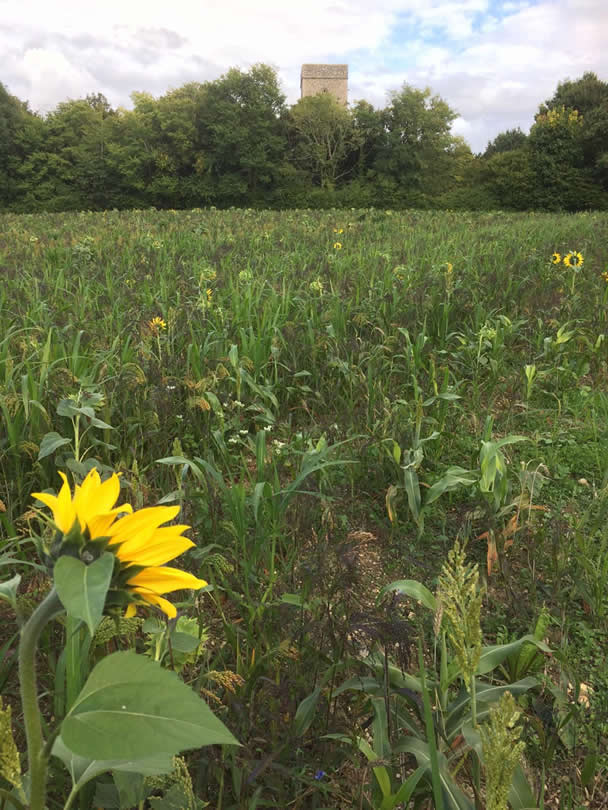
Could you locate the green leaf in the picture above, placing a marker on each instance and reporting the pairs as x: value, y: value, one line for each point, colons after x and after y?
x: 403, y: 795
x: 131, y: 708
x: 261, y: 490
x: 8, y: 590
x: 95, y: 422
x: 184, y: 642
x: 296, y: 600
x: 131, y: 789
x: 453, y: 796
x: 83, y: 588
x: 82, y: 769
x: 379, y: 728
x: 176, y: 798
x: 459, y: 710
x: 380, y: 771
x: 453, y: 477
x: 520, y: 794
x: 410, y: 587
x: 305, y: 712
x: 67, y: 407
x: 511, y: 440
x: 51, y: 442
x: 412, y: 489
x: 495, y: 654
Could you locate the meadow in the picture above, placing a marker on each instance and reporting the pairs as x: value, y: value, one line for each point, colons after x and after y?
x: 334, y: 399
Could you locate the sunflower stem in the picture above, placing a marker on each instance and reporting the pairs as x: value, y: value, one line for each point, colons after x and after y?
x: 36, y: 755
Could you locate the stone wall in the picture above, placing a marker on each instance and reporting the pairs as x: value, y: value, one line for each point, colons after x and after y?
x: 325, y: 79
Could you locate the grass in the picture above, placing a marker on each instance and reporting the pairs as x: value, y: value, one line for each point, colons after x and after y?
x: 291, y: 385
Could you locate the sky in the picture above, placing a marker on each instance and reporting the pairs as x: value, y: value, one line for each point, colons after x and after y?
x: 494, y: 62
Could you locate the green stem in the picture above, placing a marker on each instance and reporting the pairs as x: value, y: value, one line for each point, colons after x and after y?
x: 474, y: 701
x: 71, y: 797
x: 30, y: 634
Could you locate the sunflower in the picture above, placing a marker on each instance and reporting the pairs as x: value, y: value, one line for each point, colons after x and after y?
x: 157, y: 324
x: 573, y: 259
x: 556, y: 258
x: 139, y: 541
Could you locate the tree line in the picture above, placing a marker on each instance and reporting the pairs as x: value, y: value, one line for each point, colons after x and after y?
x: 235, y: 142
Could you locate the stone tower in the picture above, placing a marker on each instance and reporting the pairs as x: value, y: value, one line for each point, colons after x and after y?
x: 325, y: 79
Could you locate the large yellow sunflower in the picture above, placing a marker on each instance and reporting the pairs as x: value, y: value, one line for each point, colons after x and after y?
x: 141, y: 544
x: 573, y: 259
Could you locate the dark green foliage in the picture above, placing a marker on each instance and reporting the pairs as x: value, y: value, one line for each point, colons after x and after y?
x: 506, y: 142
x: 234, y: 142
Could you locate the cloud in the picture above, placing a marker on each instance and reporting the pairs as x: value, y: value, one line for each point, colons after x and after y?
x: 492, y: 61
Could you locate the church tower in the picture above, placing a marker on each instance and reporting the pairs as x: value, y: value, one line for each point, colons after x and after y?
x: 325, y: 79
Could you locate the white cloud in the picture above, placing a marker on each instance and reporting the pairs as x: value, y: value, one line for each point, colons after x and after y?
x: 493, y: 63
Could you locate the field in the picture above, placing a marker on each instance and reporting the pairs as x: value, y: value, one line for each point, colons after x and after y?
x: 334, y: 399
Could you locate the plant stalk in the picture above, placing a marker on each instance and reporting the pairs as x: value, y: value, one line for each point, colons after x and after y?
x: 36, y: 755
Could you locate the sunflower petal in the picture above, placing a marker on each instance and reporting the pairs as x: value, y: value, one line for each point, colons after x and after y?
x: 156, y: 553
x: 158, y: 601
x: 141, y: 542
x: 142, y: 521
x: 165, y: 580
x: 94, y: 498
x: 64, y: 513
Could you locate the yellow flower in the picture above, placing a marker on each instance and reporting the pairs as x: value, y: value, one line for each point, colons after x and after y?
x: 605, y: 276
x: 338, y: 230
x: 157, y: 323
x: 209, y: 295
x: 337, y: 245
x: 556, y: 258
x: 140, y: 542
x: 573, y: 259
x: 449, y: 268
x: 92, y: 504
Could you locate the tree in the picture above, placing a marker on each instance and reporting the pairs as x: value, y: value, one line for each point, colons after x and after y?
x: 511, y: 178
x: 556, y: 145
x: 241, y: 132
x: 584, y: 94
x: 506, y: 142
x: 18, y: 130
x: 323, y: 136
x: 414, y: 155
x: 589, y: 97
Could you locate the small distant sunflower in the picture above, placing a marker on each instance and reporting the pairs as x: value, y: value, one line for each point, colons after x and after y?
x: 157, y: 324
x: 573, y: 259
x: 556, y: 258
x: 337, y: 245
x: 89, y: 523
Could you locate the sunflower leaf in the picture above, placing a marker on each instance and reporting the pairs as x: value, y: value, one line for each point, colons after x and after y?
x: 83, y: 588
x: 131, y: 708
x: 83, y: 769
